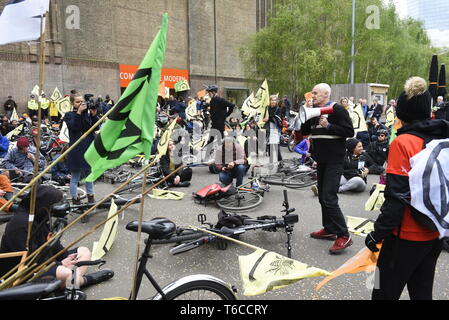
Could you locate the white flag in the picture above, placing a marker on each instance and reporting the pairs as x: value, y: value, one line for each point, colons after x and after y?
x: 20, y: 20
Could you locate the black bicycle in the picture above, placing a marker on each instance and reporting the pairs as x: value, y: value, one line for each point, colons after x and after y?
x: 190, y: 238
x: 194, y: 287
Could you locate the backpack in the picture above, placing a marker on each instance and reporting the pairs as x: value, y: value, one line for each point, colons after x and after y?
x: 429, y: 186
x: 230, y: 220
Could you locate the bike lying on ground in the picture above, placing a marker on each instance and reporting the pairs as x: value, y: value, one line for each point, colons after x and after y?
x: 231, y: 226
x: 194, y: 287
x: 291, y: 174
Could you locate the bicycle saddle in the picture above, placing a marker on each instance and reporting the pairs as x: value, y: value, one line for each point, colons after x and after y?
x: 157, y: 229
x: 30, y: 291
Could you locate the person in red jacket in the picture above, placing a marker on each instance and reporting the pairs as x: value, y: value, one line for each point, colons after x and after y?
x: 410, y: 250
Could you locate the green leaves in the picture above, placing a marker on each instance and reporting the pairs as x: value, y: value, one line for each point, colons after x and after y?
x: 310, y: 41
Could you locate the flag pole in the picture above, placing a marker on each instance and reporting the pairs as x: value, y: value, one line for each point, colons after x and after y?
x: 39, y: 131
x: 139, y: 236
x: 37, y: 269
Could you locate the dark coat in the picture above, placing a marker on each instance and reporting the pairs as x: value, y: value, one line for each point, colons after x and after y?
x: 220, y: 109
x: 78, y: 125
x: 16, y: 231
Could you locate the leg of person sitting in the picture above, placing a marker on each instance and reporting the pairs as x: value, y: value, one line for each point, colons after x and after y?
x: 238, y: 173
x: 355, y: 184
x: 225, y: 178
x: 186, y: 175
x: 376, y: 169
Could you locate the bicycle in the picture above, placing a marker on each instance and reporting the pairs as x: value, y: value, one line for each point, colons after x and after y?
x: 200, y: 286
x: 248, y: 196
x: 292, y: 174
x: 187, y: 239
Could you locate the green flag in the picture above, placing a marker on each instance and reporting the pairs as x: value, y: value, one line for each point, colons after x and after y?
x: 129, y: 131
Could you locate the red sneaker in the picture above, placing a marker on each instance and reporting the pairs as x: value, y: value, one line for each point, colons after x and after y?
x: 323, y: 235
x: 340, y: 244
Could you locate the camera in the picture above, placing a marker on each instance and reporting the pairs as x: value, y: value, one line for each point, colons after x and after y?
x: 90, y: 103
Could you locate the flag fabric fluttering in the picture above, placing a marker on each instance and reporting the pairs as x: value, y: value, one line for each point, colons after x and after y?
x: 364, y: 260
x: 377, y: 198
x: 182, y: 85
x: 261, y: 102
x: 360, y: 226
x: 358, y: 119
x: 129, y: 131
x: 20, y: 20
x: 264, y: 271
x: 165, y: 139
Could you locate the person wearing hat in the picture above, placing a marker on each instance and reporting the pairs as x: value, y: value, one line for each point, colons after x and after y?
x: 9, y: 106
x: 19, y: 161
x: 355, y: 168
x: 410, y: 250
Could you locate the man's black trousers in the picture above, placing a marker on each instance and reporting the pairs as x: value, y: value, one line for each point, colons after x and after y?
x: 402, y: 263
x: 329, y: 176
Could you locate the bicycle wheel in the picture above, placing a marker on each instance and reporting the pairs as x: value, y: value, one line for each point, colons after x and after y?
x: 82, y: 194
x: 198, y: 287
x: 301, y: 180
x: 242, y: 200
x: 184, y: 235
x: 276, y: 179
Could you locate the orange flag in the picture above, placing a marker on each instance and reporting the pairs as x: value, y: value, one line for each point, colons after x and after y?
x: 364, y: 260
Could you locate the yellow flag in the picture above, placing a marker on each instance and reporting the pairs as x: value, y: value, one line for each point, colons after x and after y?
x: 376, y: 199
x: 14, y: 115
x: 167, y: 195
x: 390, y: 117
x: 191, y: 111
x: 163, y: 142
x: 56, y: 95
x: 358, y: 119
x: 108, y: 235
x: 200, y: 143
x: 360, y: 226
x: 247, y: 107
x: 261, y: 102
x: 264, y: 271
x: 16, y: 132
x: 64, y: 106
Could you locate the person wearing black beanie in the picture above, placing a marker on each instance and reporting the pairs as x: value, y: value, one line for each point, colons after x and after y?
x: 410, y: 249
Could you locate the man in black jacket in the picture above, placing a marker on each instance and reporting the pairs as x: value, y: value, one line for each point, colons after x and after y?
x: 378, y: 152
x: 220, y: 109
x: 328, y: 138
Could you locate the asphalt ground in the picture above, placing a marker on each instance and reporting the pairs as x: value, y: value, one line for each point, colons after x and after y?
x: 208, y: 259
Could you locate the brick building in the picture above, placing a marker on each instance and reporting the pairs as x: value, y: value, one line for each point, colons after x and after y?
x: 94, y: 45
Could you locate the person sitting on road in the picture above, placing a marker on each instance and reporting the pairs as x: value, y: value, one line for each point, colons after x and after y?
x: 60, y: 172
x: 169, y: 163
x: 355, y: 168
x: 303, y: 149
x: 20, y: 161
x: 230, y: 161
x: 15, y: 237
x: 375, y: 126
x: 6, y: 193
x: 378, y: 152
x: 4, y: 146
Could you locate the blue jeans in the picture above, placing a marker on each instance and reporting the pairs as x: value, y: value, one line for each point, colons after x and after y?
x: 238, y: 172
x: 76, y: 177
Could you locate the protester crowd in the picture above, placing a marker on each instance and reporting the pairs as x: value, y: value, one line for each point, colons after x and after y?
x: 343, y: 155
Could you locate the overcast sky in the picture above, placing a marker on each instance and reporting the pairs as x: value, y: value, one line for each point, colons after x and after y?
x: 439, y: 38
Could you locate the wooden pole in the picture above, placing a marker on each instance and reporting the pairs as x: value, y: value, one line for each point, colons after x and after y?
x: 50, y: 260
x: 38, y: 137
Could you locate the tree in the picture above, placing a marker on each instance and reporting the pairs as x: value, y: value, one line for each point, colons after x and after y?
x: 307, y: 42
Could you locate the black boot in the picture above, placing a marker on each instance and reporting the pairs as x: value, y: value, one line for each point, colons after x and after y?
x: 97, y: 277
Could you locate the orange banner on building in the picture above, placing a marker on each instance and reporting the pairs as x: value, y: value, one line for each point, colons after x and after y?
x: 169, y: 76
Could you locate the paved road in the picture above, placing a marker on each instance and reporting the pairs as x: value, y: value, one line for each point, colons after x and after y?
x: 224, y: 264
